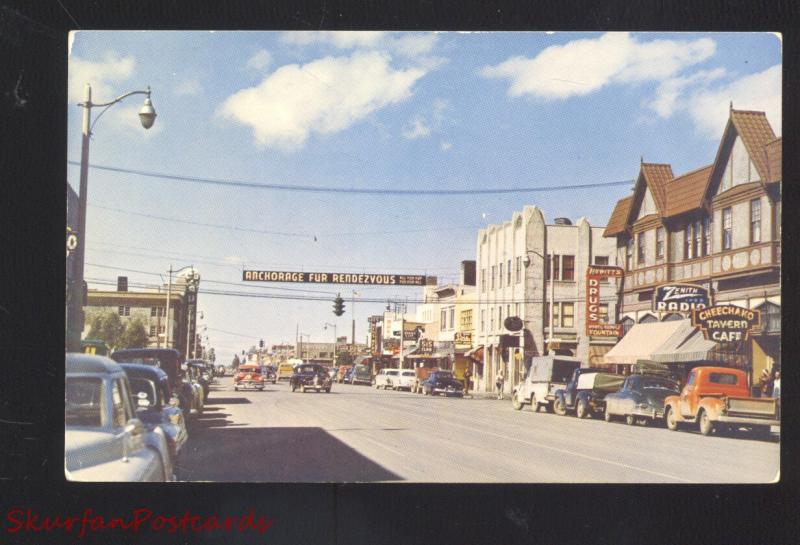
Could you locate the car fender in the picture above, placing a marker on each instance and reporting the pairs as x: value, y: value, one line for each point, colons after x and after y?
x: 559, y: 395
x: 712, y: 405
x: 672, y: 403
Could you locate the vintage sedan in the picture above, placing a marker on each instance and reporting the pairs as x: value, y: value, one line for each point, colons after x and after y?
x: 386, y: 378
x: 405, y: 380
x: 641, y: 398
x: 103, y: 438
x: 154, y: 404
x: 249, y: 375
x: 310, y: 376
x: 442, y: 382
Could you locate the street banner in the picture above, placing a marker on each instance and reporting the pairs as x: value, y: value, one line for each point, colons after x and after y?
x: 595, y: 274
x: 726, y: 323
x: 334, y: 278
x: 680, y: 298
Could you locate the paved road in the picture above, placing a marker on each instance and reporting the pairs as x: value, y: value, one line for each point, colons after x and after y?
x: 358, y: 433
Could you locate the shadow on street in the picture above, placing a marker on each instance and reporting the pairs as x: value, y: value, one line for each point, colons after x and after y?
x: 227, y: 401
x: 273, y: 455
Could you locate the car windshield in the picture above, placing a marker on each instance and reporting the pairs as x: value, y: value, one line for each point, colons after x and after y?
x: 443, y: 375
x: 392, y: 373
x: 650, y: 383
x: 83, y: 401
x: 307, y: 369
x: 408, y: 373
x: 144, y: 392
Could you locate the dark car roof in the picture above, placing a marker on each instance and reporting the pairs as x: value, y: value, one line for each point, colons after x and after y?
x: 88, y: 363
x: 142, y: 370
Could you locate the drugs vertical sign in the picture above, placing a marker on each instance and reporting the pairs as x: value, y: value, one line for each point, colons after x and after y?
x: 595, y: 326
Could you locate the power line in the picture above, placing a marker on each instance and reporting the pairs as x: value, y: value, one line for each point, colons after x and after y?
x: 349, y: 190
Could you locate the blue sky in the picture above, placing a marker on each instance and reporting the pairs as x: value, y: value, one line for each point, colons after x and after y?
x: 380, y: 110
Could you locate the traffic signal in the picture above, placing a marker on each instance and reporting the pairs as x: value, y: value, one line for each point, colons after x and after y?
x: 338, y: 306
x: 261, y: 343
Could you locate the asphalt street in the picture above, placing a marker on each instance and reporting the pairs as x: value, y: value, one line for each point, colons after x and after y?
x: 360, y: 434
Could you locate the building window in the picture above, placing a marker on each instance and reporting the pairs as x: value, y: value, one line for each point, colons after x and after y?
x: 494, y: 274
x: 627, y: 324
x: 518, y: 269
x: 568, y: 267
x: 483, y: 280
x: 601, y: 260
x: 698, y: 238
x: 556, y: 321
x: 516, y: 310
x: 755, y: 221
x: 483, y: 320
x: 124, y: 311
x: 443, y: 319
x: 727, y: 229
x: 707, y: 235
x: 452, y: 317
x: 688, y: 244
x: 556, y: 266
x: 152, y: 331
x: 491, y: 319
x: 660, y: 243
x: 640, y: 249
x: 500, y: 278
x: 500, y: 317
x: 466, y: 319
x: 158, y: 311
x: 567, y: 315
x: 629, y: 254
x: 508, y: 269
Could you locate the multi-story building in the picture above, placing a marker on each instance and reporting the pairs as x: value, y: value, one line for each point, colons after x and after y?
x: 150, y: 308
x: 717, y: 226
x: 514, y: 266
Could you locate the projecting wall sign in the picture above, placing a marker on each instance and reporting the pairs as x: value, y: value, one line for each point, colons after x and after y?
x: 334, y: 278
x: 726, y: 323
x: 680, y: 298
x: 595, y: 274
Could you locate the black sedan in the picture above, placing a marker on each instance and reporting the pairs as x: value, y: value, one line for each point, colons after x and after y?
x: 442, y: 382
x: 310, y: 376
x: 641, y: 398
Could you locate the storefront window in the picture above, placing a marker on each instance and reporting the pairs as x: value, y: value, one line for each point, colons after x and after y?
x: 568, y: 311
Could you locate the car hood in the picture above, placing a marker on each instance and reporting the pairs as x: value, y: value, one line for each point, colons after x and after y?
x: 86, y: 447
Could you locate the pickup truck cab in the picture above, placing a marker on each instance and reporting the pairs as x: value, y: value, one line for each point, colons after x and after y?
x: 718, y: 399
x: 586, y: 391
x: 545, y: 376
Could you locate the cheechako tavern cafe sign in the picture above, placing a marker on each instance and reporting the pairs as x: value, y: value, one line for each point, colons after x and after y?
x: 726, y: 323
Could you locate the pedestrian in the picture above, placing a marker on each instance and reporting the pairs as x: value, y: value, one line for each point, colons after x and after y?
x: 499, y: 384
x: 776, y: 384
x: 467, y: 377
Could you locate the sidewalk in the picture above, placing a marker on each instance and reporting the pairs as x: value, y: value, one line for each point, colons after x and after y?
x: 487, y: 395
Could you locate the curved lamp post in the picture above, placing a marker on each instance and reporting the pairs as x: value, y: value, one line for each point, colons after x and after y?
x: 147, y: 116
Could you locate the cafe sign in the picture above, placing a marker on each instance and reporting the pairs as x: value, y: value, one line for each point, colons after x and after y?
x: 726, y: 323
x: 680, y: 298
x: 595, y: 326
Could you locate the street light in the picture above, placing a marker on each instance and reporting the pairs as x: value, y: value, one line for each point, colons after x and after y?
x: 334, y: 340
x: 147, y: 116
x: 527, y: 261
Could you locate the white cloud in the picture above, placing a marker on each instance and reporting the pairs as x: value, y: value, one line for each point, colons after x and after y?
x: 403, y: 44
x: 584, y: 66
x: 188, y: 87
x: 671, y: 90
x: 445, y: 146
x: 417, y: 129
x: 761, y: 92
x: 104, y: 76
x: 322, y: 97
x: 259, y: 60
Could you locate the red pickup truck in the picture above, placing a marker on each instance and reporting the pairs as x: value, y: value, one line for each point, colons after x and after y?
x: 718, y: 398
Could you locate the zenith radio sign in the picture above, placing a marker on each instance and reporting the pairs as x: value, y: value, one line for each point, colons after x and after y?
x: 334, y: 278
x: 680, y: 298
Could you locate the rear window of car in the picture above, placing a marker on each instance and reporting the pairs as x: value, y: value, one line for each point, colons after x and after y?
x: 392, y: 373
x: 83, y: 401
x: 143, y: 391
x: 723, y: 378
x: 408, y: 374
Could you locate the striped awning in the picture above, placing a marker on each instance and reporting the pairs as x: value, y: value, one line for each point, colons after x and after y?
x: 686, y: 345
x: 642, y: 341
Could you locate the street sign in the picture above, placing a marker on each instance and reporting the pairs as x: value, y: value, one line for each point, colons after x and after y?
x: 334, y: 278
x: 513, y: 323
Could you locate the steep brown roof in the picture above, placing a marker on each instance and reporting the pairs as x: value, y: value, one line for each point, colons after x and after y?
x: 755, y: 131
x: 686, y: 192
x: 619, y: 217
x: 773, y: 152
x: 657, y: 176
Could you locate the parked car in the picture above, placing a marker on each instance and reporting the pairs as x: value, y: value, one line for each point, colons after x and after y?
x: 405, y: 380
x: 310, y: 376
x: 285, y: 370
x: 189, y: 393
x: 442, y: 382
x: 343, y: 373
x: 270, y: 373
x: 718, y: 399
x: 421, y: 374
x: 640, y: 398
x: 249, y: 375
x: 545, y: 376
x: 220, y: 372
x: 198, y: 372
x: 103, y: 438
x: 385, y: 378
x: 361, y: 374
x: 155, y: 406
x: 586, y: 391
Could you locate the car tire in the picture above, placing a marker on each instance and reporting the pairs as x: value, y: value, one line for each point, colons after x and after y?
x: 534, y: 404
x: 670, y: 419
x: 558, y: 408
x: 235, y: 388
x: 549, y: 407
x: 302, y: 388
x: 706, y: 425
x: 607, y: 415
x: 293, y: 387
x: 581, y: 409
x: 515, y: 402
x: 630, y: 420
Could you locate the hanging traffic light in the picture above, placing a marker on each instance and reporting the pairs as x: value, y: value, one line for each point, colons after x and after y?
x: 338, y: 305
x: 261, y: 343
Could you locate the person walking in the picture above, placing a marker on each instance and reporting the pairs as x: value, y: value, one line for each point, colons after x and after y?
x: 467, y: 377
x: 499, y: 384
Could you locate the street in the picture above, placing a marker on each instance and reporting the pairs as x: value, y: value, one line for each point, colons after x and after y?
x: 360, y: 434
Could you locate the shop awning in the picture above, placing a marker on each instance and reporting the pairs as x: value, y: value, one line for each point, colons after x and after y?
x: 685, y: 345
x: 476, y: 353
x: 642, y: 341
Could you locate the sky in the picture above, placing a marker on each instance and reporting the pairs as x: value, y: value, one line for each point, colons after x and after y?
x: 377, y: 111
